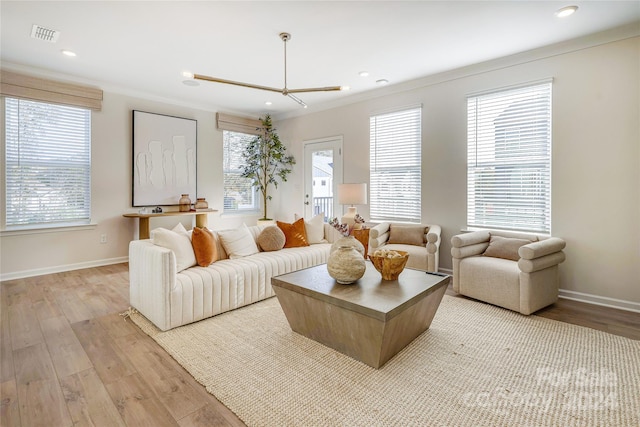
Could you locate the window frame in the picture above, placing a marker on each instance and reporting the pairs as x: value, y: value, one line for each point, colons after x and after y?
x: 22, y: 151
x: 509, y: 143
x: 256, y: 208
x: 389, y: 133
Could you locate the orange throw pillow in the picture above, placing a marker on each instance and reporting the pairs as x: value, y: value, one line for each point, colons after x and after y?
x: 204, y: 246
x: 295, y: 234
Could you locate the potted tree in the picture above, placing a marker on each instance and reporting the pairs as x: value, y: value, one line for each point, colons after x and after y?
x: 266, y: 162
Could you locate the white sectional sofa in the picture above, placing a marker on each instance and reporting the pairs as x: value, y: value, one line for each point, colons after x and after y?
x: 170, y: 299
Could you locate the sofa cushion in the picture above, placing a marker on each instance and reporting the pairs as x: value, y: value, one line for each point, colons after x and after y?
x: 408, y: 234
x: 505, y: 247
x: 204, y: 245
x: 178, y: 241
x: 271, y: 239
x: 314, y: 228
x: 295, y: 234
x: 238, y: 243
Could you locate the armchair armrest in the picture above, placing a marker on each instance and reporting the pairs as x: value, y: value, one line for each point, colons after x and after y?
x: 433, y: 238
x: 469, y: 244
x: 542, y: 254
x: 378, y: 235
x: 541, y: 248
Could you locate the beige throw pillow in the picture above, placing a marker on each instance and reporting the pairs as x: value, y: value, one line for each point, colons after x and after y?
x: 505, y: 247
x: 178, y: 241
x: 408, y: 234
x: 238, y: 243
x: 271, y: 239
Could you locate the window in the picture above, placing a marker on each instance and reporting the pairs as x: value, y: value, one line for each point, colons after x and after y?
x: 395, y: 163
x: 239, y: 194
x: 509, y: 159
x: 48, y: 164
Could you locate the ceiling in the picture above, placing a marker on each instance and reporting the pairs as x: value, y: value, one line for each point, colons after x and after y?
x: 142, y: 48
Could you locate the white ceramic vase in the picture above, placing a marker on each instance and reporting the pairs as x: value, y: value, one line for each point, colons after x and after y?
x: 348, y: 241
x: 346, y: 264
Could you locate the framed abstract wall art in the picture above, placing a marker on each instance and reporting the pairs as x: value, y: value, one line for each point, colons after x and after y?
x: 164, y: 159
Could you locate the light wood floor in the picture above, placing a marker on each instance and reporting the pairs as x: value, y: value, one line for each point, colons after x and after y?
x: 68, y: 357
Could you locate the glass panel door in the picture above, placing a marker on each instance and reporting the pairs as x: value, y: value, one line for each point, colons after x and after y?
x: 323, y: 172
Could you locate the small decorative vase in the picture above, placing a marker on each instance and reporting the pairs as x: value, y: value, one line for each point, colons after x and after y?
x: 348, y: 241
x: 185, y: 203
x: 346, y: 265
x: 201, y: 203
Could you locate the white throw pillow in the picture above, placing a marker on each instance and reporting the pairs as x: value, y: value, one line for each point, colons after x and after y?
x: 314, y: 228
x: 238, y: 243
x: 178, y: 241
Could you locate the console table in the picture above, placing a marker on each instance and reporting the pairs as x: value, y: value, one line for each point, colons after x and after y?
x: 144, y: 229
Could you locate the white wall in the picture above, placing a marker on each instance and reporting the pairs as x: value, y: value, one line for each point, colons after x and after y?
x: 596, y: 156
x: 111, y: 177
x: 596, y: 166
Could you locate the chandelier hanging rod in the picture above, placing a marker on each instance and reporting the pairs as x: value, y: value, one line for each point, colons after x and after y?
x: 285, y: 90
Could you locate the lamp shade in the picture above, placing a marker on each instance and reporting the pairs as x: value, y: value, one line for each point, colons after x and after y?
x: 352, y: 194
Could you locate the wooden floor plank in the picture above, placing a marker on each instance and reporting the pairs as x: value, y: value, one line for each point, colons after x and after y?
x: 39, y: 394
x: 73, y: 307
x: 173, y: 386
x: 6, y: 348
x: 66, y: 352
x: 137, y: 404
x: 210, y: 416
x: 24, y: 326
x: 9, y: 409
x: 110, y: 362
x: 88, y: 401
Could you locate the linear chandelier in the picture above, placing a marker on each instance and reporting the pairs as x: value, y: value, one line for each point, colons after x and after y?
x: 285, y: 90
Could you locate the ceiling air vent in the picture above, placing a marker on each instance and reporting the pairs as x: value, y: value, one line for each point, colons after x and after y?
x: 45, y: 34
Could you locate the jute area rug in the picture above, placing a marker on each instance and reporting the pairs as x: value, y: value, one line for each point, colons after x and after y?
x: 477, y: 365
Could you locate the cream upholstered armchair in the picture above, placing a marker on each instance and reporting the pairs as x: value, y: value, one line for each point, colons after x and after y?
x: 421, y: 241
x: 511, y: 270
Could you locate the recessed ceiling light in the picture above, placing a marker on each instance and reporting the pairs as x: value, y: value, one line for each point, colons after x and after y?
x: 190, y: 83
x: 382, y: 81
x: 566, y: 11
x: 268, y: 103
x: 68, y: 52
x: 363, y: 73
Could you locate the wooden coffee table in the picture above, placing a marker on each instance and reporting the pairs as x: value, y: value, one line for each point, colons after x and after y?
x: 370, y: 320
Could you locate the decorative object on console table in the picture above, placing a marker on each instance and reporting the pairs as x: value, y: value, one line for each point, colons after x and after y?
x: 362, y: 235
x: 201, y: 203
x: 185, y: 203
x: 351, y: 194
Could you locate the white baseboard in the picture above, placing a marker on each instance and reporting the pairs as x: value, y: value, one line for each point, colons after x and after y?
x: 61, y: 268
x: 599, y: 300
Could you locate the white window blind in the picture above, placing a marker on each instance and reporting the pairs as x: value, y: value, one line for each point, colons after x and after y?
x: 48, y: 163
x: 239, y: 194
x: 509, y: 159
x: 395, y: 166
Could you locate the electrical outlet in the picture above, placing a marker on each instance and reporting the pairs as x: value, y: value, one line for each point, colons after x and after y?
x: 103, y: 238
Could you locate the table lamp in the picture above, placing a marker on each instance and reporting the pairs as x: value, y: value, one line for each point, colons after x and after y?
x: 351, y: 194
